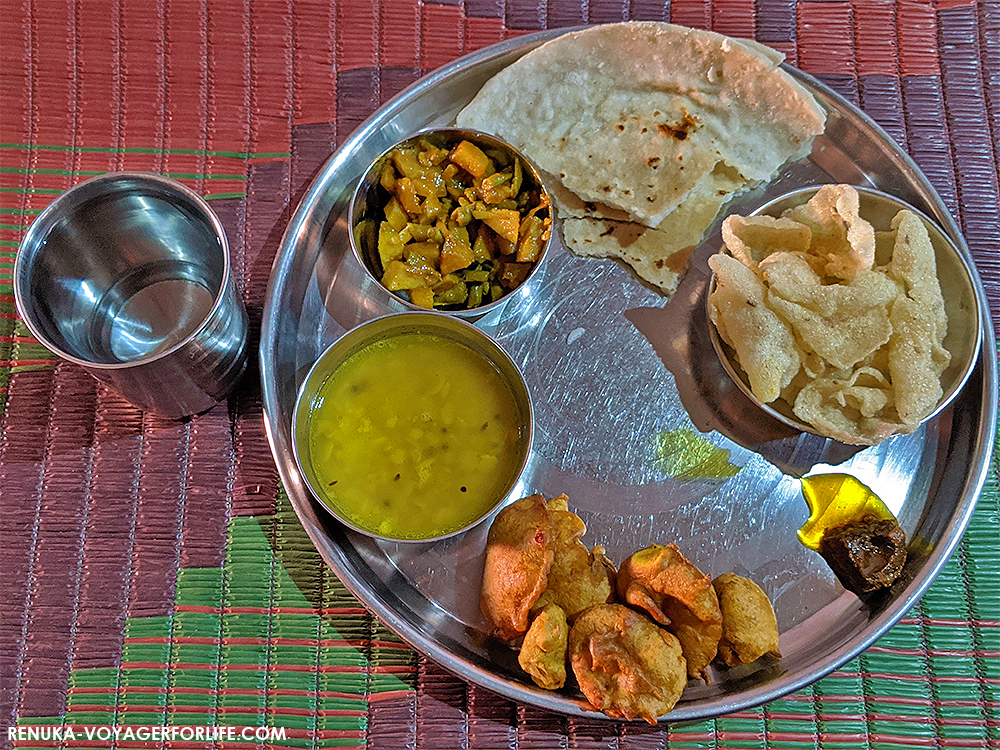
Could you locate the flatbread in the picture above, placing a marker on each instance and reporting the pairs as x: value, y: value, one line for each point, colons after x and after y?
x: 658, y: 254
x: 639, y: 118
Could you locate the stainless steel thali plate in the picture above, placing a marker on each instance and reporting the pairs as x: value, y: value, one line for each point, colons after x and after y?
x: 612, y: 366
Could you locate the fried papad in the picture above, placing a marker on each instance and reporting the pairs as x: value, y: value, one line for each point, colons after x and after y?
x: 843, y: 324
x: 749, y: 627
x: 677, y: 595
x: 639, y: 116
x: 763, y: 342
x: 625, y: 665
x: 842, y: 242
x: 518, y: 559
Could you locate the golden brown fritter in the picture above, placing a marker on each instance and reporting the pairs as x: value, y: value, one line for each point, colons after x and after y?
x: 625, y: 665
x: 662, y: 582
x: 749, y: 627
x: 518, y: 559
x: 577, y: 579
x: 543, y: 653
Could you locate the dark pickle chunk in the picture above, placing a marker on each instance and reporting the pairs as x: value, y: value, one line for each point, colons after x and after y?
x: 866, y: 555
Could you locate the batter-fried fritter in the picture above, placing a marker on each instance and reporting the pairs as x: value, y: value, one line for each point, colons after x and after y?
x: 626, y: 666
x: 661, y: 581
x: 577, y: 579
x: 749, y: 627
x: 518, y: 559
x: 543, y: 653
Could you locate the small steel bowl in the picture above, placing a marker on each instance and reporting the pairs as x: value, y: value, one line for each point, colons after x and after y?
x: 370, y: 198
x: 383, y: 329
x: 957, y: 287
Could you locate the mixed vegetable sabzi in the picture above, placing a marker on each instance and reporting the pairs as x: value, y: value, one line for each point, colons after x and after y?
x: 463, y: 226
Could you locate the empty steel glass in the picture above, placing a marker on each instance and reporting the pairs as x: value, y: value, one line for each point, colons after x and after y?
x: 128, y: 275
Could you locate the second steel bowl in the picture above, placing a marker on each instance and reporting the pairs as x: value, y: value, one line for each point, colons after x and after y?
x: 367, y: 212
x: 957, y: 287
x: 413, y: 427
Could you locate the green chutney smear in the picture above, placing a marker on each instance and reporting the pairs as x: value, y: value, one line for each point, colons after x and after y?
x: 415, y: 436
x: 683, y: 454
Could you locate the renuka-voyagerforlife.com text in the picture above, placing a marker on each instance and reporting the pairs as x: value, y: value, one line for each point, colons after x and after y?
x: 144, y: 733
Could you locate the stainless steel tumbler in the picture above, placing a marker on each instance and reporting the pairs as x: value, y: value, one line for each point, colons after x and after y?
x: 128, y: 275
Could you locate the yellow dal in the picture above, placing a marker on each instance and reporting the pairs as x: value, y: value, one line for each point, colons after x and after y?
x: 414, y: 436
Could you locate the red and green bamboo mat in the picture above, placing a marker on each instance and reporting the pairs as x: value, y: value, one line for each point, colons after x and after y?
x: 153, y: 573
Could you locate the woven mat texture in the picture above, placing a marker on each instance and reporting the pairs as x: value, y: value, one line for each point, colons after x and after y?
x: 153, y: 571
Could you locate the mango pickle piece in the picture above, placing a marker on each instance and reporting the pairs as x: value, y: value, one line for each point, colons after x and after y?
x: 395, y: 214
x: 531, y: 237
x: 407, y: 195
x: 387, y: 177
x: 408, y: 164
x: 400, y: 276
x: 427, y: 251
x: 513, y: 274
x: 422, y: 297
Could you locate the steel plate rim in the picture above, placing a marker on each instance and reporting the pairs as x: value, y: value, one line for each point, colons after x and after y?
x: 556, y: 702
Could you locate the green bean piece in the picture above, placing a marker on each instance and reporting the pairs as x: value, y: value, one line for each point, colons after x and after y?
x: 454, y: 295
x: 430, y: 154
x: 477, y: 275
x: 495, y: 188
x: 462, y: 215
x: 475, y: 298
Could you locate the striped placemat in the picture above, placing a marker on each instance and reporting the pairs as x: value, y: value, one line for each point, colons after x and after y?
x: 153, y: 573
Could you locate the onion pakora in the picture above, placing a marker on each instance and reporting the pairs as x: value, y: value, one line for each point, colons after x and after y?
x: 625, y: 665
x: 578, y: 578
x: 543, y: 652
x: 534, y: 557
x: 518, y: 558
x: 555, y: 601
x: 749, y: 627
x: 677, y: 595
